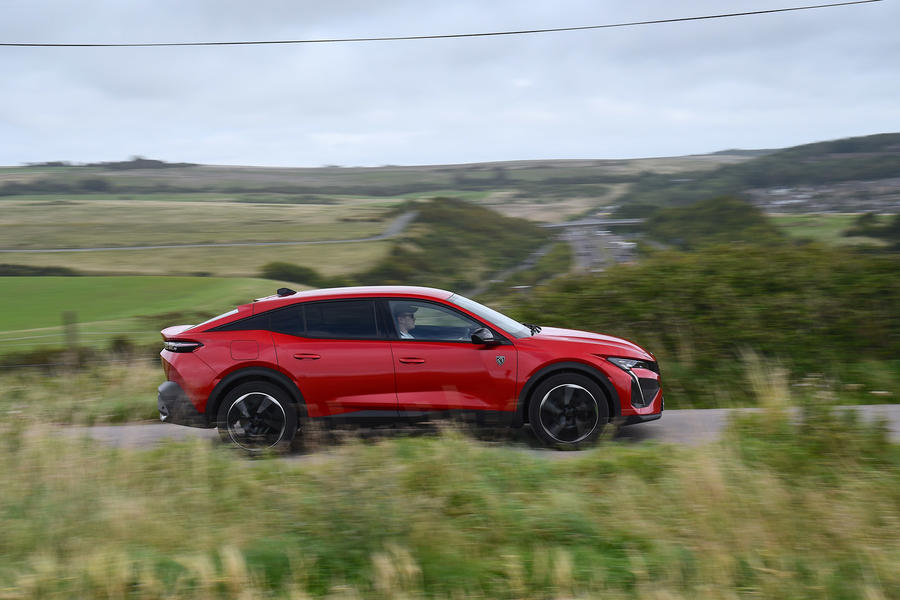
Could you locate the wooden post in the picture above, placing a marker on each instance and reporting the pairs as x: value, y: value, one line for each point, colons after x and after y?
x: 70, y: 327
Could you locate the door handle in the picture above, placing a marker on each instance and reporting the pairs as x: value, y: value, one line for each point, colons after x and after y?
x: 410, y: 360
x: 306, y: 356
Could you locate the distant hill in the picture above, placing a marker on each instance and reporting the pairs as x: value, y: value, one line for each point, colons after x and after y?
x: 832, y: 173
x: 808, y: 177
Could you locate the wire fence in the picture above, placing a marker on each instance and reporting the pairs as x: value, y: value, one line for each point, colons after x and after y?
x: 45, y: 342
x: 93, y: 363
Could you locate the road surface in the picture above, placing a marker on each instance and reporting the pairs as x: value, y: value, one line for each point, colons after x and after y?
x: 687, y: 427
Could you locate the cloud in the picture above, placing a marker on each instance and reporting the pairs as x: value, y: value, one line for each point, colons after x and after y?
x: 764, y: 81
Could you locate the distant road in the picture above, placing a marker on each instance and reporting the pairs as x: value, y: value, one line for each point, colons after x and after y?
x: 685, y: 427
x: 396, y: 227
x: 595, y: 223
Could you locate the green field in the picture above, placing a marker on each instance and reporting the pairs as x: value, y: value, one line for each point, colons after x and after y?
x: 828, y: 229
x: 246, y: 261
x: 86, y: 224
x: 31, y: 308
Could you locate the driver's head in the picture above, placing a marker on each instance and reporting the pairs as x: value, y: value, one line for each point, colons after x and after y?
x: 405, y: 316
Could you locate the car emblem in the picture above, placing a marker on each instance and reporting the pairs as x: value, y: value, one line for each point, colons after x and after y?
x: 501, y: 360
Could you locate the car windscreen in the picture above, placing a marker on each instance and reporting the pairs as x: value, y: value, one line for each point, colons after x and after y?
x: 510, y: 326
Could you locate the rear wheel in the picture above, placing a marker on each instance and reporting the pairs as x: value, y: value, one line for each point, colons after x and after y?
x: 568, y: 411
x: 258, y: 416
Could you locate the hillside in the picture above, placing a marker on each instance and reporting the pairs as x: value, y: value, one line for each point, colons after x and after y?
x: 545, y: 190
x: 848, y: 175
x: 852, y: 175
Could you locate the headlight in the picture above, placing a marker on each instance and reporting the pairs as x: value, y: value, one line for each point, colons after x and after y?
x: 627, y: 364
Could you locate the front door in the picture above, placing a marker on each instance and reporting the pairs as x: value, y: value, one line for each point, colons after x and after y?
x: 439, y: 368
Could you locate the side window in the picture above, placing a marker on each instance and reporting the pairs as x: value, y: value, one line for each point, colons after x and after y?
x: 248, y: 324
x: 287, y: 320
x: 348, y: 319
x: 426, y: 321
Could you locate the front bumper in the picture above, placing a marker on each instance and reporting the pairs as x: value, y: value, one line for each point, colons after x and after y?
x: 175, y: 407
x: 635, y: 419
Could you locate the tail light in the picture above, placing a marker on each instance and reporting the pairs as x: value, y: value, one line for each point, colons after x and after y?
x: 173, y: 346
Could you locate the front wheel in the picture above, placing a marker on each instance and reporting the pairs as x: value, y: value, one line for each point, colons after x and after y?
x: 257, y: 416
x: 568, y: 411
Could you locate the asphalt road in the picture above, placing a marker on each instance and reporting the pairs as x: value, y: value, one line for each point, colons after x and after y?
x: 688, y: 427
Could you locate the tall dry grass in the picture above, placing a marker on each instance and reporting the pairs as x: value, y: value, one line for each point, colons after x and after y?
x: 113, y: 393
x: 783, y: 507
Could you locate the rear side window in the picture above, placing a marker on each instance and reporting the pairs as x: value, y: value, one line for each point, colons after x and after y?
x: 344, y: 319
x: 255, y: 322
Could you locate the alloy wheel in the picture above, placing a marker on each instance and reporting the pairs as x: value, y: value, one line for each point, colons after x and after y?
x: 256, y: 421
x: 569, y: 413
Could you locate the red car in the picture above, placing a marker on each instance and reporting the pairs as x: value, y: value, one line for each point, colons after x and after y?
x: 261, y: 370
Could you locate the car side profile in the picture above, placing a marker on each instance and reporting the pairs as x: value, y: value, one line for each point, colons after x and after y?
x: 262, y: 370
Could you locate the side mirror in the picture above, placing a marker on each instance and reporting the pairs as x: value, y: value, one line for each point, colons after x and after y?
x: 484, y: 336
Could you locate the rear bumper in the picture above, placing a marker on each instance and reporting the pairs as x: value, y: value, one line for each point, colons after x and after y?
x: 175, y: 407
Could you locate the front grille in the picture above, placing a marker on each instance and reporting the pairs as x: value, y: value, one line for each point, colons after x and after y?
x: 649, y: 387
x: 643, y: 396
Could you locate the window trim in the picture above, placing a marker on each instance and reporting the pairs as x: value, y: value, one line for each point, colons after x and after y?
x: 385, y: 327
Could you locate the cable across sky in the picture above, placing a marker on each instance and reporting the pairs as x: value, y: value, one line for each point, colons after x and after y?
x: 435, y: 37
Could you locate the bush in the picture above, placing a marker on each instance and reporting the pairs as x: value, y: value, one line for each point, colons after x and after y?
x: 32, y: 271
x: 717, y: 220
x: 816, y: 308
x: 281, y: 271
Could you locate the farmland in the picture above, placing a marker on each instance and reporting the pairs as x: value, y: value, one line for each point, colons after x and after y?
x: 108, y: 307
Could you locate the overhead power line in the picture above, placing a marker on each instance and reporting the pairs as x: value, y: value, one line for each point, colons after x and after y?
x: 440, y: 37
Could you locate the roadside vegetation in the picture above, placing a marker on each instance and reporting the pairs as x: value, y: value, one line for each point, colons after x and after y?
x: 736, y: 284
x: 120, y: 390
x: 780, y: 508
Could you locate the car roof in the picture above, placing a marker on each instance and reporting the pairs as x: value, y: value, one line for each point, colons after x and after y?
x: 366, y: 291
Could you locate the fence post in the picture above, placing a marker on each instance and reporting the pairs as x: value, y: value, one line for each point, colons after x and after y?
x: 70, y: 327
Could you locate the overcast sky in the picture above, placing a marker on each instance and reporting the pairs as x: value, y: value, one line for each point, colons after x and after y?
x: 763, y: 81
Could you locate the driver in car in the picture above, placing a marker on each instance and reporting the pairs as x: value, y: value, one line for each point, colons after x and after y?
x: 406, y: 320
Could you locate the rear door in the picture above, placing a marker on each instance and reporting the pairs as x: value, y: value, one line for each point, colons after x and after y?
x: 339, y: 356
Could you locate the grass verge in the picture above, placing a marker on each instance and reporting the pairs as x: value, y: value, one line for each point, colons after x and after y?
x: 778, y: 509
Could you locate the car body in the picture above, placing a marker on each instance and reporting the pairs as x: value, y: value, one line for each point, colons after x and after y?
x: 396, y: 352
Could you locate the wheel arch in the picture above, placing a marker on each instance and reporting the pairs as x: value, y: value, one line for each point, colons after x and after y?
x: 596, y: 375
x: 236, y: 378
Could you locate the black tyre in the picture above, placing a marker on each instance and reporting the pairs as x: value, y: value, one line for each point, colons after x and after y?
x: 568, y: 411
x: 258, y: 416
